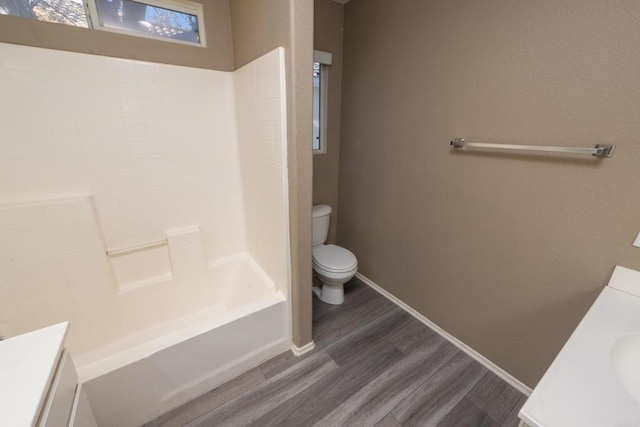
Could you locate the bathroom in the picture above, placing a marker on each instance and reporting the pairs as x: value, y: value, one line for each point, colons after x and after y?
x: 159, y: 196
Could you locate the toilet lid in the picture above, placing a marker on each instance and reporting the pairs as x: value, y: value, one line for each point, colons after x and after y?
x: 334, y: 258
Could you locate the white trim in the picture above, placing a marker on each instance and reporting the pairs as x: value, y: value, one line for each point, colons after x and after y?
x: 453, y: 340
x: 299, y: 351
x: 285, y: 189
x: 324, y: 58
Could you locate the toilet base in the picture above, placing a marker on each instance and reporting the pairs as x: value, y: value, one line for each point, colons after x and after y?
x: 330, y: 293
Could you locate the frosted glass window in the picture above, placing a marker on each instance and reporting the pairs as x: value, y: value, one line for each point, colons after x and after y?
x: 149, y: 20
x: 178, y: 21
x: 320, y: 89
x: 68, y: 12
x: 321, y: 65
x: 316, y: 105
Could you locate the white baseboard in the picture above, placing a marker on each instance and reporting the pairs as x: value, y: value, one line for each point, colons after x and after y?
x: 299, y: 351
x: 453, y: 340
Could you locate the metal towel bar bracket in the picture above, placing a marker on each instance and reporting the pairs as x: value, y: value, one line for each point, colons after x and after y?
x: 600, y: 150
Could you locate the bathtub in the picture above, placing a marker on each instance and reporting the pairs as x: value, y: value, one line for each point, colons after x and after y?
x: 155, y: 370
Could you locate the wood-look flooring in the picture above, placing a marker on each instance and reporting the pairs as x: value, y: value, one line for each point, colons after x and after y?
x: 373, y: 365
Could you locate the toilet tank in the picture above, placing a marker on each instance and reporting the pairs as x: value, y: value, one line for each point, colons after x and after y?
x: 321, y: 217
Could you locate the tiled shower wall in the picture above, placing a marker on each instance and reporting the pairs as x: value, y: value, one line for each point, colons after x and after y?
x: 155, y: 144
x: 260, y: 108
x: 149, y: 147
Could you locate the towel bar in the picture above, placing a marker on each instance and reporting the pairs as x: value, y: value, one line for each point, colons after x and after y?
x: 600, y: 150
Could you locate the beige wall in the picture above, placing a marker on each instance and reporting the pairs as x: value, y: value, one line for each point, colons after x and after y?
x: 328, y: 29
x: 218, y: 54
x: 259, y: 26
x: 504, y: 251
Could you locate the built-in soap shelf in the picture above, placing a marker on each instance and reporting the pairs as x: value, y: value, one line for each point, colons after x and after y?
x: 40, y: 384
x: 59, y: 245
x: 142, y: 267
x: 178, y: 255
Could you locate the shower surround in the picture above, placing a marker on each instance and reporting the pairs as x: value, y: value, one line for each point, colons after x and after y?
x: 147, y: 204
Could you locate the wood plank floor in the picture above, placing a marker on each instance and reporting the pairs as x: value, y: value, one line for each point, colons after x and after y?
x: 373, y: 365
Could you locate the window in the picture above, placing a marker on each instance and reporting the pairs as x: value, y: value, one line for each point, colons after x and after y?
x: 178, y: 21
x: 321, y: 63
x: 68, y: 12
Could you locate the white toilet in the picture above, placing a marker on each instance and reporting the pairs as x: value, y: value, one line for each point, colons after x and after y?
x: 333, y: 264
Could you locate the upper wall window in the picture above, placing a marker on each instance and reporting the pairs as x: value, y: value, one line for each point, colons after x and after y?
x: 178, y: 21
x: 68, y: 12
x: 321, y: 63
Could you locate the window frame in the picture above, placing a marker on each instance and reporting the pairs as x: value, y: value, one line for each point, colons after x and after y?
x: 183, y: 6
x: 324, y: 59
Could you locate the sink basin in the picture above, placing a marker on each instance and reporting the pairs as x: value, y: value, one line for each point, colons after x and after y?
x: 595, y: 379
x: 625, y: 359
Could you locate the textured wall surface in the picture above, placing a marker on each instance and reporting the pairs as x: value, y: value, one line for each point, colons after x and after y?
x: 504, y: 251
x: 259, y: 26
x: 218, y: 54
x: 299, y: 114
x: 328, y: 30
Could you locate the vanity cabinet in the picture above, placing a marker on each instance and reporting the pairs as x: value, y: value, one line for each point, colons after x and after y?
x: 81, y: 413
x: 66, y: 404
x: 39, y: 383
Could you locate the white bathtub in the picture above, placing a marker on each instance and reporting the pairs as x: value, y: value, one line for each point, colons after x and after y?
x: 136, y: 379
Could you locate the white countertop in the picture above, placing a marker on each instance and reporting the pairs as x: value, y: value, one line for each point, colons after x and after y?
x: 27, y: 364
x: 580, y: 388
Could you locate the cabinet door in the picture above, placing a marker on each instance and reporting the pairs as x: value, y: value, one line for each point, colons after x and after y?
x: 82, y: 415
x: 57, y: 408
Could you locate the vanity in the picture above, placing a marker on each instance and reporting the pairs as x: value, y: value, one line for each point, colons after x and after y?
x: 595, y: 379
x: 39, y: 384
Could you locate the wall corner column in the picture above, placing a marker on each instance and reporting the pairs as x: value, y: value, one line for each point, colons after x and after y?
x: 299, y: 94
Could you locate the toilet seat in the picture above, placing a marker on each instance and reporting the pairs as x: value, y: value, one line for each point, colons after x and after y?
x: 334, y: 259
